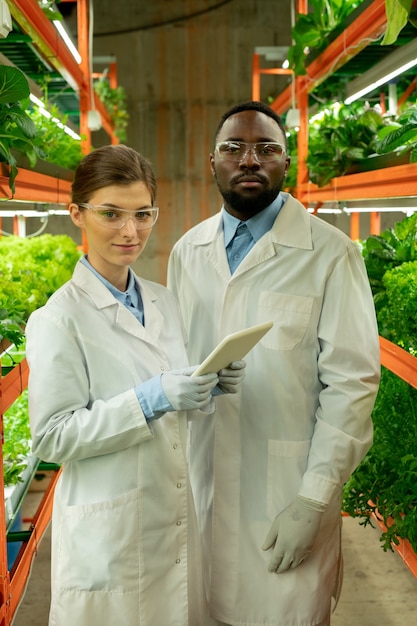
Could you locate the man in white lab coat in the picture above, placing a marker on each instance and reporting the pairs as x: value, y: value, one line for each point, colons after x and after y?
x: 268, y: 467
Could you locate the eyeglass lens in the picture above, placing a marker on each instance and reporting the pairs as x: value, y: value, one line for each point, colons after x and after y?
x: 117, y: 218
x: 237, y: 150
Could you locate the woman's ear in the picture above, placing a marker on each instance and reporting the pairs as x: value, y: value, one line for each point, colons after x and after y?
x: 77, y: 215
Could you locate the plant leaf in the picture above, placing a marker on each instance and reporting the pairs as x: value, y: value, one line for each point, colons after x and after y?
x: 13, y: 85
x: 397, y: 12
x: 398, y: 137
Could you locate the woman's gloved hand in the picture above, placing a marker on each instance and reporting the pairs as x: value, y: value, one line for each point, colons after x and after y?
x: 230, y: 378
x: 293, y: 533
x: 185, y: 392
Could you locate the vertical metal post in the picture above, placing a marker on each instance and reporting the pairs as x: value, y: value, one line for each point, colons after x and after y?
x: 355, y: 226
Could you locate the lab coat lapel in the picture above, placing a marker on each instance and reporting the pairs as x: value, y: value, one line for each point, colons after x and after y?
x: 291, y: 229
x: 153, y: 317
x: 103, y: 299
x: 212, y: 238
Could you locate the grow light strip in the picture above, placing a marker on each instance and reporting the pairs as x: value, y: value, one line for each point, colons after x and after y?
x: 67, y: 40
x: 385, y: 209
x: 48, y: 115
x: 396, y: 63
x: 32, y: 213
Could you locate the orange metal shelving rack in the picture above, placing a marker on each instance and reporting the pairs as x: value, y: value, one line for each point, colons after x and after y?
x: 398, y: 181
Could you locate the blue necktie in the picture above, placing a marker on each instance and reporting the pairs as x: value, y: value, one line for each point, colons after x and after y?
x: 239, y: 246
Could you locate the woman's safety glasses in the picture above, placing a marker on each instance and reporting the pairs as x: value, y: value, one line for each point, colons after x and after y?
x: 116, y: 218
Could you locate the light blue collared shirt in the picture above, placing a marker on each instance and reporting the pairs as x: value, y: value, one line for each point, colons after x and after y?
x: 131, y: 298
x: 257, y: 226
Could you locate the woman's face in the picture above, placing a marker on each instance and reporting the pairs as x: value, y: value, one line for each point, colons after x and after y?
x: 111, y: 251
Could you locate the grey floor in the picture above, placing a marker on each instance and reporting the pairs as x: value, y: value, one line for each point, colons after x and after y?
x: 378, y: 589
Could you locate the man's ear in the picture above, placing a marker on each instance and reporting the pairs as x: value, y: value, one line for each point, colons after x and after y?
x: 77, y: 215
x: 212, y: 163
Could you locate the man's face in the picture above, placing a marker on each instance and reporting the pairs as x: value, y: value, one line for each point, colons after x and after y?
x: 249, y: 186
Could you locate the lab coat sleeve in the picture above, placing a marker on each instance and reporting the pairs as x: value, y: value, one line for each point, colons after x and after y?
x: 66, y: 422
x: 349, y: 371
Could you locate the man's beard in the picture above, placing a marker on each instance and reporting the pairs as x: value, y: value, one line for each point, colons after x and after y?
x: 249, y: 206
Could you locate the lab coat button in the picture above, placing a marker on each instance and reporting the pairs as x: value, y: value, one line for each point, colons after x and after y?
x: 175, y: 446
x: 179, y: 485
x: 179, y: 523
x: 177, y: 561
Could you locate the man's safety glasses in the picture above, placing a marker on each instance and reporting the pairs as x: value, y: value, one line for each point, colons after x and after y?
x: 264, y: 152
x: 116, y: 218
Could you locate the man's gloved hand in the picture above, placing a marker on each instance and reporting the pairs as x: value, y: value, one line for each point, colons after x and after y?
x: 292, y: 534
x: 230, y: 378
x: 185, y: 392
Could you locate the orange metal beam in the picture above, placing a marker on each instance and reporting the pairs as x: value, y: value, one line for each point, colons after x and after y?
x: 375, y: 223
x: 355, y: 222
x: 352, y: 40
x: 398, y: 361
x: 20, y: 574
x: 411, y: 87
x: 13, y: 384
x: 34, y: 187
x: 391, y: 182
x: 86, y: 99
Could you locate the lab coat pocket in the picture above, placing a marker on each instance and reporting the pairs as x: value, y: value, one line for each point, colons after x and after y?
x: 98, y: 546
x: 290, y: 314
x: 287, y: 462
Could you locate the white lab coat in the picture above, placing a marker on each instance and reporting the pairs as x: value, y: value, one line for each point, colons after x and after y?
x: 125, y: 547
x: 302, y: 421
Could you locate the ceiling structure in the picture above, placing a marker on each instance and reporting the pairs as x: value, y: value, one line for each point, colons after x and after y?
x: 126, y: 17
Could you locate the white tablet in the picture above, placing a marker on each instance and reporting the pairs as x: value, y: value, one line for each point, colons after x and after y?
x: 233, y: 348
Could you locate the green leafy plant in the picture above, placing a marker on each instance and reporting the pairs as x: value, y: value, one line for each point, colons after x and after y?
x: 57, y: 145
x: 312, y: 30
x: 342, y: 137
x: 17, y: 440
x: 401, y: 134
x: 17, y: 130
x: 32, y: 269
x: 397, y: 317
x: 383, y: 252
x: 385, y: 482
x: 114, y: 99
x: 398, y: 13
x: 11, y: 320
x: 49, y: 9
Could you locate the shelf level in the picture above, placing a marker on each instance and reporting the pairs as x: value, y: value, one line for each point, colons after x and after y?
x: 32, y: 186
x: 392, y: 182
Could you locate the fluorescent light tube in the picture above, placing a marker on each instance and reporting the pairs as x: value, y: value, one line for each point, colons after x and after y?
x: 396, y: 63
x: 67, y: 40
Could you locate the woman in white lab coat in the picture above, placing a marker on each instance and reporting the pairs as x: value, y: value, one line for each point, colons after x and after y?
x: 105, y: 403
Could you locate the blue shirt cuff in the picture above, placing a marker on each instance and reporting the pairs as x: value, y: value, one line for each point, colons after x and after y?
x: 152, y: 398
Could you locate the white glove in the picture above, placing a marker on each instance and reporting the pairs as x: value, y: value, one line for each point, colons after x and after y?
x: 230, y: 378
x: 185, y: 392
x: 293, y: 533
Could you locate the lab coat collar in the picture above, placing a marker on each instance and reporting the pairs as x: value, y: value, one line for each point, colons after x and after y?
x: 84, y: 278
x: 291, y: 227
